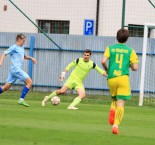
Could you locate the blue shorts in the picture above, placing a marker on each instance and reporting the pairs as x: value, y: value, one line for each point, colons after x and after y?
x: 14, y: 75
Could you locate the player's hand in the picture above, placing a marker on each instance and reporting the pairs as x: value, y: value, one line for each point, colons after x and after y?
x: 105, y: 74
x: 62, y: 76
x: 34, y: 60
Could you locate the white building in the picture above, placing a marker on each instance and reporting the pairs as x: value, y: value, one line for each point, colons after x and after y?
x: 68, y: 16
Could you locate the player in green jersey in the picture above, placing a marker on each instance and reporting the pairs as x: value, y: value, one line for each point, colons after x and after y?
x: 82, y: 67
x: 121, y: 58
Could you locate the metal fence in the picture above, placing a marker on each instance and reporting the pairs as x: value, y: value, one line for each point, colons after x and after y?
x: 52, y: 60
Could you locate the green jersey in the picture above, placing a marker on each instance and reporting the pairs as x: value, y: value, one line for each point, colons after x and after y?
x: 82, y: 68
x: 120, y: 56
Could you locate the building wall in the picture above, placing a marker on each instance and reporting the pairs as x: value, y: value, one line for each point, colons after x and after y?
x: 73, y: 10
x: 137, y: 12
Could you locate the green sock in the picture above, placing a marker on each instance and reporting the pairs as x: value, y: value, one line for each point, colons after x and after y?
x: 52, y: 95
x: 76, y: 101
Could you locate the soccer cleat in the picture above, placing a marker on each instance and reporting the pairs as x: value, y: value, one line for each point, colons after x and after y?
x: 115, y: 130
x: 22, y: 102
x: 43, y: 103
x: 71, y: 108
x: 111, y: 116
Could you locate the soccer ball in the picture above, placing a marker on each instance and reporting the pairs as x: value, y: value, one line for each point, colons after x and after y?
x: 55, y: 100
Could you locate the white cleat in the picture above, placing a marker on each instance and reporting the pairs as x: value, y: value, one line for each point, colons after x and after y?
x: 71, y: 108
x: 43, y: 103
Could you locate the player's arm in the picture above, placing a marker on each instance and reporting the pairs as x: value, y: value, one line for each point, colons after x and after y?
x: 8, y: 51
x: 134, y: 61
x: 105, y: 58
x: 100, y: 71
x: 69, y: 66
x: 30, y: 58
x: 2, y: 58
x: 104, y: 63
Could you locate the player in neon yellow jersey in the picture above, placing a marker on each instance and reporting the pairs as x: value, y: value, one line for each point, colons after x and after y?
x: 82, y: 68
x: 121, y: 58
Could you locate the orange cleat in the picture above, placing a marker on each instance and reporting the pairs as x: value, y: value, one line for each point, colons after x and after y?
x: 115, y: 130
x: 111, y: 116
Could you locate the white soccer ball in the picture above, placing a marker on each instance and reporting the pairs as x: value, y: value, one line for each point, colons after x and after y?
x: 55, y: 100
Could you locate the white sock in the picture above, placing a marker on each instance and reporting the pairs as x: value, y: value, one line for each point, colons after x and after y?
x: 115, y: 126
x: 21, y: 99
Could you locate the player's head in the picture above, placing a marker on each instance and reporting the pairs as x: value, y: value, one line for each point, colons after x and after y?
x: 20, y: 39
x: 86, y: 55
x: 122, y: 35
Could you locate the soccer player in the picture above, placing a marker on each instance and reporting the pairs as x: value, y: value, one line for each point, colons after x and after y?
x: 121, y: 57
x: 82, y: 67
x: 17, y: 55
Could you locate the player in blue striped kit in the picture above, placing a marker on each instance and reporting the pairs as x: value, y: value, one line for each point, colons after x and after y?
x: 17, y: 55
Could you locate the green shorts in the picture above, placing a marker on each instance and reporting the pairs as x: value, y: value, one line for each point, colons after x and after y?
x: 73, y: 84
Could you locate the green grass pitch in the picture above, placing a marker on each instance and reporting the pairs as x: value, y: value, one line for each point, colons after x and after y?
x: 55, y: 125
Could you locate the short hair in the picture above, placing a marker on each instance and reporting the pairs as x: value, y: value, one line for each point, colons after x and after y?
x: 122, y: 35
x: 87, y: 51
x: 20, y: 36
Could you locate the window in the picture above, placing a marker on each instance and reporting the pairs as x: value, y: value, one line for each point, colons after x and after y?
x: 54, y: 26
x: 137, y: 30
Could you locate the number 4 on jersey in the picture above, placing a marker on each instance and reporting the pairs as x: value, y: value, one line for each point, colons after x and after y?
x: 119, y: 60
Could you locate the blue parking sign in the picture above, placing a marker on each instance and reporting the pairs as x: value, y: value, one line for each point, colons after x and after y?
x: 88, y: 27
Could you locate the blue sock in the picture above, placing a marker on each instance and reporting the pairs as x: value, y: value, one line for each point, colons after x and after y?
x: 1, y: 90
x: 24, y: 92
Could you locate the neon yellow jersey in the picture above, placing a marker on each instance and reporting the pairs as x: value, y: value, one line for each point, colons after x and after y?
x: 120, y: 57
x: 82, y: 69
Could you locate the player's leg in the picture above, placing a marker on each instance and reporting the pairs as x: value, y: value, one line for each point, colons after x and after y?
x: 113, y: 91
x: 10, y: 80
x: 118, y: 115
x: 81, y: 94
x: 26, y: 89
x: 69, y: 84
x: 5, y: 87
x: 112, y: 111
x: 23, y: 76
x: 55, y: 93
x: 123, y: 93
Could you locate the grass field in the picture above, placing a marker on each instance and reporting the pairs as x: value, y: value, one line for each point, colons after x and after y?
x: 55, y: 125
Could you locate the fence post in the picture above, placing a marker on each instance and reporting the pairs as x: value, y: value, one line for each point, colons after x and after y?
x: 32, y: 40
x: 123, y: 13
